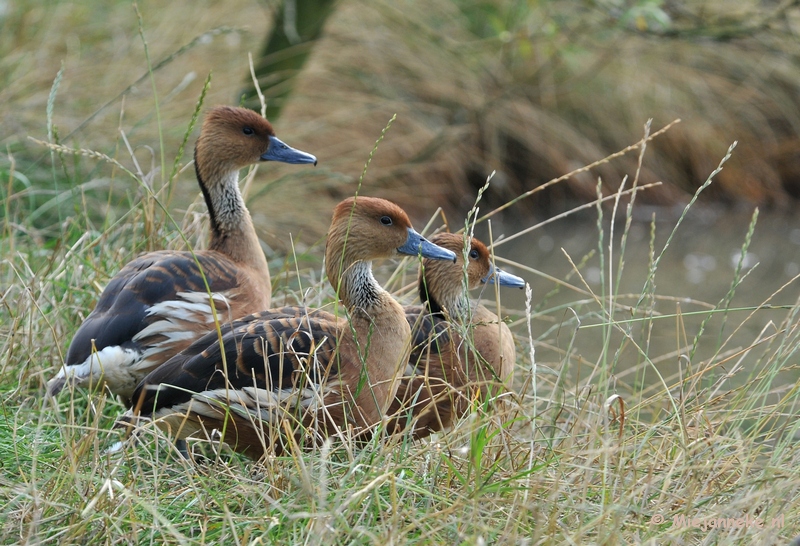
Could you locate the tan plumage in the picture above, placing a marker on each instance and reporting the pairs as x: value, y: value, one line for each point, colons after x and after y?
x: 458, y: 349
x: 159, y: 303
x: 310, y: 370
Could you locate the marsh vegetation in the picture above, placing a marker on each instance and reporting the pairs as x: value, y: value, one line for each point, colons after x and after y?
x: 657, y: 354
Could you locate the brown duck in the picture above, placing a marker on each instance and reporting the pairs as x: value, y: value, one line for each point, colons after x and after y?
x: 161, y: 302
x: 458, y: 348
x: 316, y: 372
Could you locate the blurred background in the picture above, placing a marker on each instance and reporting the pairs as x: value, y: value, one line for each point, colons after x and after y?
x: 530, y: 89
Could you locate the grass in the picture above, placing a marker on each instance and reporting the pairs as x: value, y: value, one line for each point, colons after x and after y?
x: 478, y: 86
x: 535, y: 89
x: 571, y: 457
x: 607, y: 432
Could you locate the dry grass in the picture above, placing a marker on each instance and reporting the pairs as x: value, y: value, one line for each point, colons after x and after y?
x: 534, y: 90
x: 570, y: 457
x: 604, y: 435
x: 107, y: 89
x: 530, y: 90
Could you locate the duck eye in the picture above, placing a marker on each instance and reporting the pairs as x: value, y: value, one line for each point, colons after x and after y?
x: 473, y: 254
x: 248, y: 130
x: 386, y: 221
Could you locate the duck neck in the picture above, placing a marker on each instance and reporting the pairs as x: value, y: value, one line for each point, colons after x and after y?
x: 380, y: 331
x: 360, y: 293
x: 442, y: 299
x: 231, y: 228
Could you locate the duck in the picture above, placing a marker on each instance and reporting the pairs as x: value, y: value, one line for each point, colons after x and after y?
x: 162, y: 301
x: 458, y: 348
x: 313, y: 372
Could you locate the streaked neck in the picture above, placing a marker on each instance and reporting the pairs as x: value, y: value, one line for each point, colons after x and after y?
x: 231, y: 228
x: 359, y: 291
x: 444, y: 299
x: 226, y: 205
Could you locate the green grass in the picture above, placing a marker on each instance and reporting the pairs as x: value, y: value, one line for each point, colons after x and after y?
x: 604, y: 434
x: 570, y: 457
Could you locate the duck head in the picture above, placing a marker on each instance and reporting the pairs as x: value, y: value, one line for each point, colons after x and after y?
x: 234, y: 138
x: 442, y: 282
x: 383, y: 231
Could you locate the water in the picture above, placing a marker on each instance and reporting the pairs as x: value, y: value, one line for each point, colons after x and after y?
x: 695, y: 273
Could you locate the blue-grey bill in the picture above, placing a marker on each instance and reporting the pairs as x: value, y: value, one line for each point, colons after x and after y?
x: 278, y: 151
x: 417, y: 245
x: 498, y: 276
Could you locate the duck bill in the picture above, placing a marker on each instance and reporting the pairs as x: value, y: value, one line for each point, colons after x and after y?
x: 278, y: 151
x: 417, y: 245
x: 498, y: 276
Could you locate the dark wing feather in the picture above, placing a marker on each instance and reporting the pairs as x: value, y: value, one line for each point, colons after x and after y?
x: 429, y: 333
x: 121, y: 311
x: 264, y: 350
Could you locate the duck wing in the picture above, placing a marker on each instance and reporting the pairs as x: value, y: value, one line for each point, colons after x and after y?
x: 282, y: 351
